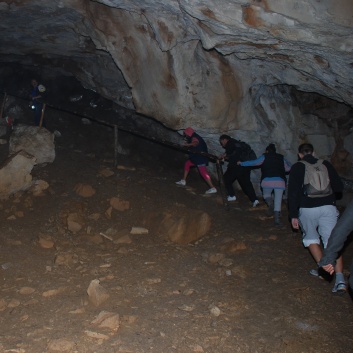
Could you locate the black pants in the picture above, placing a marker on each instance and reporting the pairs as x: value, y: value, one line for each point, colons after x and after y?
x: 242, y: 174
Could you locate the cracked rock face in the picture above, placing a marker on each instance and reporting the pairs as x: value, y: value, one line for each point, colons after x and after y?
x: 263, y: 70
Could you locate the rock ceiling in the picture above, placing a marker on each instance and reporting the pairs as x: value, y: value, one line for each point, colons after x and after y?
x: 216, y: 65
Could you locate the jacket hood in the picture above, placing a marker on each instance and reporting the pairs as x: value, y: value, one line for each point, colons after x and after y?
x: 189, y: 131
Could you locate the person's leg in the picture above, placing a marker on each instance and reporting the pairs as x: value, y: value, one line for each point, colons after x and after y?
x: 315, y: 251
x: 203, y: 171
x: 229, y: 177
x: 188, y: 164
x: 267, y: 195
x: 37, y: 114
x: 309, y: 221
x: 205, y: 175
x: 246, y: 184
x: 278, y: 200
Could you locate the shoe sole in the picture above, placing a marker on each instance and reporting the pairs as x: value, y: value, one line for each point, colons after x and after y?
x: 340, y: 292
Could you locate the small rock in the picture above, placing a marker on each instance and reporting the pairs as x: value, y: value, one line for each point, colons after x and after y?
x: 74, y: 222
x: 106, y: 319
x: 84, y: 190
x: 214, y: 310
x: 13, y: 303
x: 226, y: 262
x: 61, y: 345
x: 106, y: 172
x: 45, y: 242
x: 215, y: 258
x: 108, y: 212
x: 19, y: 214
x: 77, y: 311
x: 189, y: 291
x: 94, y: 216
x: 96, y: 293
x: 185, y: 307
x: 66, y: 259
x: 119, y: 205
x: 126, y: 239
x: 122, y: 167
x: 53, y: 292
x: 96, y: 335
x: 38, y: 187
x: 26, y: 290
x: 3, y: 304
x: 234, y: 246
x: 153, y: 280
x: 138, y: 230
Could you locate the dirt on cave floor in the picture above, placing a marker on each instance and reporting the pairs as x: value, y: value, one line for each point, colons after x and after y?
x: 170, y: 298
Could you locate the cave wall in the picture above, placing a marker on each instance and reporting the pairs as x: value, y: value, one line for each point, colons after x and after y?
x: 218, y: 66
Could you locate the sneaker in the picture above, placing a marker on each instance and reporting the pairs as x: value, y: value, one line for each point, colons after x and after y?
x: 321, y: 273
x: 231, y: 198
x: 339, y: 288
x: 255, y: 203
x: 211, y: 191
x: 181, y: 182
x: 314, y: 273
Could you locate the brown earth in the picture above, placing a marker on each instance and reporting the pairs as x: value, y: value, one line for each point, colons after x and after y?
x: 244, y: 287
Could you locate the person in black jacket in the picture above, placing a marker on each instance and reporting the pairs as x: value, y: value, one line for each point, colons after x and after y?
x: 273, y: 179
x: 236, y: 172
x: 197, y: 144
x: 316, y: 216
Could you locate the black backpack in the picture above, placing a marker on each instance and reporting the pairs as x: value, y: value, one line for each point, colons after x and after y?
x: 246, y: 152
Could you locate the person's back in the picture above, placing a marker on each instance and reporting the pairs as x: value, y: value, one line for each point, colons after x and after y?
x: 273, y: 179
x: 201, y: 146
x: 315, y: 215
x: 273, y: 166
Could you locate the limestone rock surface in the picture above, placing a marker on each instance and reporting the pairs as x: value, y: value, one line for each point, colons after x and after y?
x: 261, y: 70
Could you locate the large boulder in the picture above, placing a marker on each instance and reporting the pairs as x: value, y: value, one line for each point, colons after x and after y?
x: 186, y: 228
x: 38, y: 142
x: 15, y: 174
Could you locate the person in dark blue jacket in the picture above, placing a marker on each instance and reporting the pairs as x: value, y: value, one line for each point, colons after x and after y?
x: 197, y: 144
x: 36, y: 96
x: 273, y: 179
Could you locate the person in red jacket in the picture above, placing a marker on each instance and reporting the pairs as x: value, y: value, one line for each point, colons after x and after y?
x: 196, y: 144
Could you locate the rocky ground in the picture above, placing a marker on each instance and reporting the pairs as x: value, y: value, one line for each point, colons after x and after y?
x: 74, y: 277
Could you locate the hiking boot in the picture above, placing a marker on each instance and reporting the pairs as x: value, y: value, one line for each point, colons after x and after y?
x: 181, y: 182
x: 339, y: 288
x: 231, y: 198
x: 255, y: 203
x: 211, y: 191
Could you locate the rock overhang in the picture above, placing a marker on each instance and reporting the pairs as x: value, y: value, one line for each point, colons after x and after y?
x: 191, y: 63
